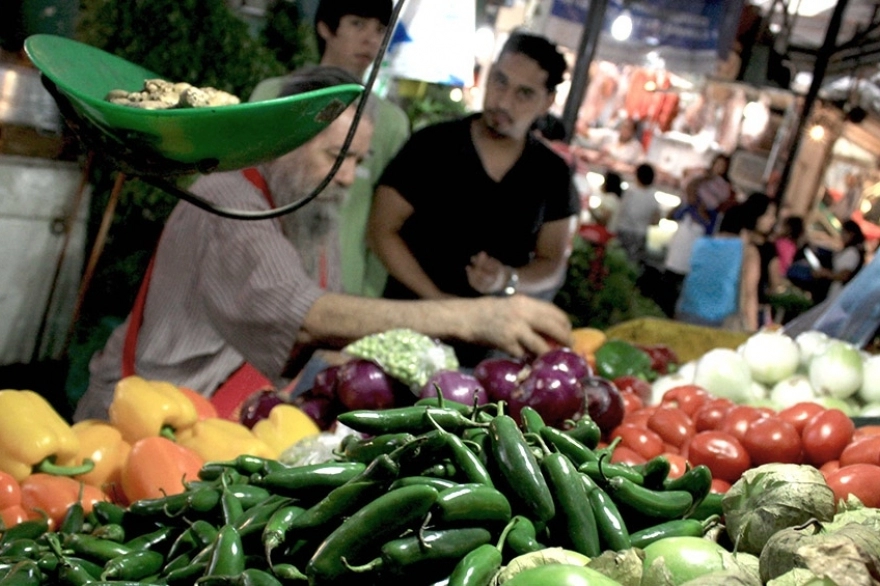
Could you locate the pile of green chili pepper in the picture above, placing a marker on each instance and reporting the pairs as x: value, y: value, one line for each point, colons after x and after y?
x: 432, y: 491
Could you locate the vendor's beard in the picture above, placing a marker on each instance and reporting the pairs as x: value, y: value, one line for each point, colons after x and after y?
x: 315, y: 226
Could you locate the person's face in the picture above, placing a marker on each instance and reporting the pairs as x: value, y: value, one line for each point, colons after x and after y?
x: 767, y: 221
x: 627, y: 131
x: 296, y: 174
x: 720, y: 165
x: 516, y: 95
x: 355, y: 43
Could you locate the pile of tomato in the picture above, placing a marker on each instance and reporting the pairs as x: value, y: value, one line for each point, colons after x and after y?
x: 690, y: 427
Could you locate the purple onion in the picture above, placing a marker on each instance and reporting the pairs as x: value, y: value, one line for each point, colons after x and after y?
x: 362, y: 384
x: 258, y: 405
x: 455, y: 386
x: 500, y: 376
x: 555, y: 394
x: 324, y: 384
x: 564, y: 359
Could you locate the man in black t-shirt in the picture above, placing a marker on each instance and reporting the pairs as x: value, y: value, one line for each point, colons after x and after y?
x: 479, y: 205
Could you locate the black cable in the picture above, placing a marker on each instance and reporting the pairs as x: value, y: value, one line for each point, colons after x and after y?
x: 234, y: 214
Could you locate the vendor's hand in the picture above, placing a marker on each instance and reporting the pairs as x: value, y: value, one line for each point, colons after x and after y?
x: 486, y: 274
x: 520, y: 325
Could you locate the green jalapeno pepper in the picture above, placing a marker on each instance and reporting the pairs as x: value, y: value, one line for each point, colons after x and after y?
x: 30, y: 529
x: 613, y: 532
x: 438, y: 483
x: 585, y: 430
x: 23, y: 573
x: 383, y: 518
x: 570, y: 496
x: 573, y: 449
x: 227, y: 554
x: 662, y: 504
x: 136, y: 565
x: 471, y: 504
x: 519, y: 467
x: 522, y: 538
x: 673, y: 528
x: 431, y: 555
x: 367, y: 450
x: 405, y: 419
x: 481, y: 564
x: 300, y: 480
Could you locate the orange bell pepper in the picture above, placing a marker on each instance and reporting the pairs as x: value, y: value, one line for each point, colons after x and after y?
x: 204, y: 407
x: 156, y: 466
x: 53, y: 495
x: 101, y: 443
x: 11, y: 511
x: 143, y: 408
x: 33, y: 436
x: 221, y: 439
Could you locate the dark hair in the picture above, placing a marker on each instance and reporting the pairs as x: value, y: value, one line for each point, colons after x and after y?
x: 645, y: 174
x: 541, y: 50
x: 330, y: 12
x: 726, y: 158
x: 744, y: 216
x: 795, y: 227
x: 613, y: 183
x: 315, y: 77
x: 550, y: 126
x: 853, y: 228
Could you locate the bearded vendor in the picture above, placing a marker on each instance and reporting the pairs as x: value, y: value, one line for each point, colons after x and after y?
x: 228, y: 305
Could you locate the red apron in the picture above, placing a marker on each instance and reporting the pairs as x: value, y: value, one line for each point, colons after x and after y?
x: 244, y: 381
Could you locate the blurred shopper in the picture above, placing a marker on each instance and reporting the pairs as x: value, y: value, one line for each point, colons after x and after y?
x: 349, y: 35
x: 845, y: 263
x: 479, y: 206
x: 639, y: 209
x: 723, y: 287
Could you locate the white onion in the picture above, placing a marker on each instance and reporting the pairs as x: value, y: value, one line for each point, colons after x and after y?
x: 870, y: 390
x: 870, y: 410
x: 837, y: 370
x: 794, y: 389
x: 724, y: 373
x: 811, y: 343
x: 771, y: 356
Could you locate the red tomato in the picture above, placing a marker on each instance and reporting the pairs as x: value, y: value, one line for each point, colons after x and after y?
x: 688, y: 398
x: 631, y: 402
x: 863, y: 451
x: 711, y: 414
x: 799, y: 413
x: 828, y: 467
x: 10, y: 491
x: 639, y: 417
x: 670, y: 449
x: 771, y: 439
x: 739, y: 419
x: 639, y: 439
x: 865, y: 431
x: 12, y: 516
x: 672, y: 424
x: 678, y: 464
x: 721, y: 452
x: 634, y: 384
x: 719, y: 486
x: 625, y: 455
x: 826, y: 435
x: 860, y: 480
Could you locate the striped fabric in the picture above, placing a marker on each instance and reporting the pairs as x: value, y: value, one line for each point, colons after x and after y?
x: 223, y: 291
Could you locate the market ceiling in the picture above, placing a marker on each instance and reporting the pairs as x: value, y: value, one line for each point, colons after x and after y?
x: 853, y: 70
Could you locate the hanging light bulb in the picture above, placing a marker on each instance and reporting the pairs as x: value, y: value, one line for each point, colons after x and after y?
x: 622, y: 27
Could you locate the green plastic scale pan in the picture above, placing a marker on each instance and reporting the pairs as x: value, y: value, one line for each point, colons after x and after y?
x: 178, y: 141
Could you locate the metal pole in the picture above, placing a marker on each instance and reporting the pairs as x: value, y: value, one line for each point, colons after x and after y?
x: 829, y: 46
x: 581, y: 75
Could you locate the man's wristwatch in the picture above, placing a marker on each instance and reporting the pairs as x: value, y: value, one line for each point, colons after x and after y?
x: 512, y: 283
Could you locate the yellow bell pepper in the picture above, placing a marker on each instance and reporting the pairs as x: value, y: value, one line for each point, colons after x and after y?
x: 103, y: 444
x: 143, y: 408
x: 33, y: 436
x: 217, y: 438
x: 286, y: 425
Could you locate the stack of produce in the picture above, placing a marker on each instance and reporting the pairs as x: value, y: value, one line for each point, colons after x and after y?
x: 446, y: 491
x: 157, y: 437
